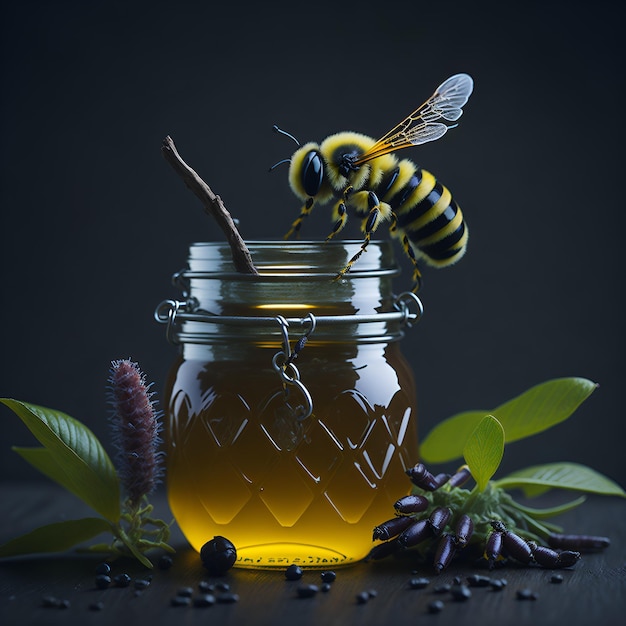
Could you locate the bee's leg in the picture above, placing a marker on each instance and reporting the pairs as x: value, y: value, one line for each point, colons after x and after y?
x: 340, y: 214
x: 295, y: 227
x: 393, y: 227
x: 370, y: 223
x: 417, y: 275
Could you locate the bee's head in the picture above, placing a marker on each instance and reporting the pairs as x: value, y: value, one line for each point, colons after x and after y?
x: 306, y: 170
x: 306, y: 173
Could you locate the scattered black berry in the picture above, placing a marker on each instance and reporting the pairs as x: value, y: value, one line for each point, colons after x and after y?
x: 180, y: 601
x: 141, y: 583
x: 526, y: 594
x: 204, y: 600
x: 556, y: 579
x: 363, y: 597
x: 222, y: 586
x: 440, y: 589
x: 185, y: 592
x: 227, y: 598
x: 460, y: 593
x: 498, y: 584
x: 96, y: 606
x: 206, y: 587
x: 418, y: 583
x: 103, y: 568
x: 307, y: 591
x: 476, y: 580
x: 50, y: 602
x: 165, y: 562
x: 328, y: 577
x: 436, y: 606
x: 293, y: 572
x: 325, y: 587
x: 122, y: 580
x: 103, y: 581
x: 372, y: 593
x: 218, y: 555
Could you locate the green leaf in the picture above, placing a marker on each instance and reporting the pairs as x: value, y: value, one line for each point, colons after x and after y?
x: 484, y: 449
x: 72, y: 456
x: 57, y: 537
x: 532, y: 412
x: 42, y: 460
x: 562, y: 476
x: 551, y: 511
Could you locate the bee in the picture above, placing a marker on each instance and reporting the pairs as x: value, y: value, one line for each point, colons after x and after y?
x: 363, y: 176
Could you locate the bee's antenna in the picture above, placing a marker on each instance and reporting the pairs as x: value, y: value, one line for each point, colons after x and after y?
x: 283, y: 132
x: 279, y: 163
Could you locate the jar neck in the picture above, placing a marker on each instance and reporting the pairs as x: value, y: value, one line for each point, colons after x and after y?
x: 297, y: 282
x: 294, y: 278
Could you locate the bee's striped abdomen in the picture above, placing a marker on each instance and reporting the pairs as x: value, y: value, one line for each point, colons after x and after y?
x: 429, y: 217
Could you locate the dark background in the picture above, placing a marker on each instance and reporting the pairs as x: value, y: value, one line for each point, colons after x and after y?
x: 94, y: 221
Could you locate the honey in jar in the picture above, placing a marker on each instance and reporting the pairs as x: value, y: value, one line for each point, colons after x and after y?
x: 291, y: 412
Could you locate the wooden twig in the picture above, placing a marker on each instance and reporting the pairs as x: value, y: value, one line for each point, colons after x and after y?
x: 213, y: 206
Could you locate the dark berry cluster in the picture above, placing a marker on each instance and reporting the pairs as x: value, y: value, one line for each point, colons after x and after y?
x: 440, y: 520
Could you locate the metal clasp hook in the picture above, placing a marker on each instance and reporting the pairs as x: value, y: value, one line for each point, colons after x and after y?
x: 403, y: 304
x: 282, y: 363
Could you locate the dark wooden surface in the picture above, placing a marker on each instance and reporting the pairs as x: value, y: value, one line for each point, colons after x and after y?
x: 594, y: 591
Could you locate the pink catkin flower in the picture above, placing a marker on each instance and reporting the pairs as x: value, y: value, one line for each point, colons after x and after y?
x: 136, y: 429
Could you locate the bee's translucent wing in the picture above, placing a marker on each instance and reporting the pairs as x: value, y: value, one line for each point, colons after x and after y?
x: 423, y: 124
x: 448, y: 99
x: 424, y: 133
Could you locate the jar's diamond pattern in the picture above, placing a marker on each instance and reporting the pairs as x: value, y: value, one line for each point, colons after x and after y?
x: 398, y: 418
x: 225, y: 416
x: 280, y: 423
x: 253, y: 454
x: 348, y: 418
x: 211, y: 496
x: 285, y: 492
x: 351, y: 492
x: 378, y: 456
x: 320, y: 454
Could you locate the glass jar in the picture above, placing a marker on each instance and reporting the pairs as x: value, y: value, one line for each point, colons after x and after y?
x: 290, y: 411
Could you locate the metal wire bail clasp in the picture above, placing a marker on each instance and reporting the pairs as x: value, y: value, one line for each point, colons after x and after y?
x: 283, y: 363
x: 166, y: 313
x: 404, y: 302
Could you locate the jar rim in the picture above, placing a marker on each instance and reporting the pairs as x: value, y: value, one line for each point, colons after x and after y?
x: 279, y: 259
